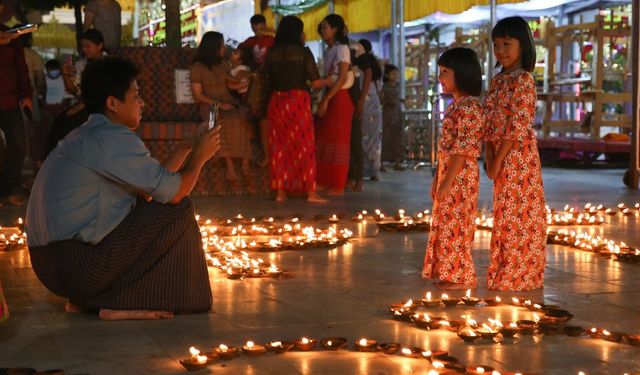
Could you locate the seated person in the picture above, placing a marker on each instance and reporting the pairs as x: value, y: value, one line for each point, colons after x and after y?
x: 91, y: 239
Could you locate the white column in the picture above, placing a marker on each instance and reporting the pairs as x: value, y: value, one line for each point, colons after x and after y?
x: 401, y: 48
x: 393, y: 46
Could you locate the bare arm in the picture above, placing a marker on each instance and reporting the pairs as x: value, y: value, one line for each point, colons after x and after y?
x: 489, y: 156
x: 337, y: 86
x: 365, y: 89
x: 207, y: 147
x: 89, y: 16
x: 176, y: 160
x: 502, y: 152
x: 455, y: 166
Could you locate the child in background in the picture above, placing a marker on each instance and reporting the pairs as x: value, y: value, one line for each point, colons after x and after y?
x: 392, y: 145
x: 455, y: 187
x: 241, y: 59
x: 519, y: 232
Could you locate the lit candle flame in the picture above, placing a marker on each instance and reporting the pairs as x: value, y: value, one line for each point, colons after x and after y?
x: 363, y: 342
x: 305, y: 340
x: 437, y: 364
x: 406, y: 351
x: 445, y: 296
x: 223, y: 347
x: 480, y: 370
x: 428, y: 296
x: 329, y: 343
x: 194, y: 352
x: 498, y: 299
x: 250, y: 344
x: 468, y: 294
x: 276, y: 343
x: 409, y: 303
x: 201, y: 359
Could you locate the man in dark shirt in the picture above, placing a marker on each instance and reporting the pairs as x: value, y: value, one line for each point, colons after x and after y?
x: 15, y: 94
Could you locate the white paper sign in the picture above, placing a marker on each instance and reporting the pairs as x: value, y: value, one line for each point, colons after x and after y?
x: 183, y: 86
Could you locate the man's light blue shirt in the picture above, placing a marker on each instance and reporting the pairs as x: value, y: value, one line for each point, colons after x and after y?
x: 89, y: 184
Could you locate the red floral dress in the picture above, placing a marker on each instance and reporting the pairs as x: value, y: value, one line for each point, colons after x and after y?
x: 519, y: 233
x: 448, y: 256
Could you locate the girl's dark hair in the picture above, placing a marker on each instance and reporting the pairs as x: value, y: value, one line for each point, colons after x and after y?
x: 246, y: 56
x: 466, y: 68
x: 94, y: 36
x: 518, y: 28
x: 111, y: 76
x: 337, y: 22
x: 388, y: 68
x: 208, y: 52
x: 289, y: 32
x: 376, y: 71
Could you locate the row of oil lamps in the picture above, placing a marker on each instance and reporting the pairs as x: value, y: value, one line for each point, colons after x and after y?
x: 583, y: 241
x: 552, y: 321
x: 441, y: 361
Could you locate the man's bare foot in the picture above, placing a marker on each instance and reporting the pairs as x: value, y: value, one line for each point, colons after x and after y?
x: 445, y: 285
x: 313, y: 197
x: 72, y: 308
x: 335, y: 192
x: 108, y: 314
x: 281, y: 196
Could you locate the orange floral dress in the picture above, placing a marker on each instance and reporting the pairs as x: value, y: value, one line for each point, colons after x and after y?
x: 519, y: 232
x: 448, y: 256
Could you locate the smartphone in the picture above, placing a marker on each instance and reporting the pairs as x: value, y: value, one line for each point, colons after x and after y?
x: 29, y: 28
x: 213, y: 116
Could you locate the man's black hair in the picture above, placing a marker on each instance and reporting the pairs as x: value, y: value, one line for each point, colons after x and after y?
x: 518, y: 28
x: 110, y: 76
x: 257, y: 19
x: 52, y: 64
x: 466, y: 68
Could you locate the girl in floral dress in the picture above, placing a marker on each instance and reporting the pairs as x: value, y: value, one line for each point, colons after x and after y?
x: 455, y: 187
x: 520, y: 225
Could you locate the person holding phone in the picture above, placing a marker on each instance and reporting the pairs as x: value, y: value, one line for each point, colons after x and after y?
x: 15, y: 97
x: 111, y: 228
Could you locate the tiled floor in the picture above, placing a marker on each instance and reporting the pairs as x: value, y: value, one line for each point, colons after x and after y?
x: 344, y: 292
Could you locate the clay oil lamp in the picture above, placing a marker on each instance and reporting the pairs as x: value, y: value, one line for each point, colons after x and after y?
x: 450, y: 301
x: 274, y: 271
x: 389, y: 348
x: 334, y: 218
x: 279, y: 347
x: 487, y: 332
x: 255, y: 273
x: 429, y: 302
x: 226, y: 353
x: 595, y: 333
x: 509, y: 330
x: 633, y: 340
x: 497, y: 301
x: 556, y: 316
x: 379, y: 216
x: 333, y: 343
x: 573, y: 331
x: 610, y: 212
x: 196, y: 361
x: 359, y: 217
x: 527, y: 327
x: 468, y: 335
x: 517, y: 302
x: 437, y: 322
x: 612, y: 336
x: 422, y: 320
x: 411, y: 352
x: 453, y: 325
x: 400, y: 215
x: 253, y: 350
x: 448, y: 362
x: 234, y: 273
x: 20, y: 224
x: 366, y: 345
x: 305, y: 344
x: 468, y: 300
x: 434, y: 355
x: 477, y: 370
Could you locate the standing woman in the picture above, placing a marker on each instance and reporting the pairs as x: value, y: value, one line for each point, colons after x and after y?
x: 371, y: 113
x: 519, y: 233
x: 209, y: 86
x: 290, y: 65
x: 335, y: 111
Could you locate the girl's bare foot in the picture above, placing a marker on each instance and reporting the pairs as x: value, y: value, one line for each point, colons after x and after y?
x: 445, y: 285
x: 108, y: 314
x: 313, y: 197
x: 231, y: 175
x: 281, y: 196
x: 335, y: 192
x: 72, y: 308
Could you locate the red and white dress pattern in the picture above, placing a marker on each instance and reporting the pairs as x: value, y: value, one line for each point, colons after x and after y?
x: 519, y: 233
x: 448, y: 257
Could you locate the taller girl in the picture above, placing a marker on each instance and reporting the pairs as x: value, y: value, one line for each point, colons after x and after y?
x: 520, y: 226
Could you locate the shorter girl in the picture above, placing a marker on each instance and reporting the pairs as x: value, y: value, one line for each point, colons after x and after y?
x: 392, y: 138
x: 455, y: 187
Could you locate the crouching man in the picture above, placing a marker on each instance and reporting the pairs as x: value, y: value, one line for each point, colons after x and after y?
x: 91, y: 237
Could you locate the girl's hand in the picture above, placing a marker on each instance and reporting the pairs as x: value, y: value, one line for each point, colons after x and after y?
x: 322, y: 107
x: 444, y: 190
x: 359, y: 109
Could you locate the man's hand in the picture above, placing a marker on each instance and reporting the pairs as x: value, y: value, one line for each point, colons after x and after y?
x: 209, y: 144
x: 6, y: 38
